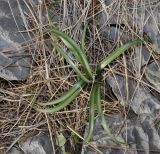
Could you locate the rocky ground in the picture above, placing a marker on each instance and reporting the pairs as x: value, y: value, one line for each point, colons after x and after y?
x: 30, y: 72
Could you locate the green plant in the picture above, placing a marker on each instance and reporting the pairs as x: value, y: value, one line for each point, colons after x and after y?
x: 86, y: 77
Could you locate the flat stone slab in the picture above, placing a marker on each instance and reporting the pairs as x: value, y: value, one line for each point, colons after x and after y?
x: 14, y: 60
x: 140, y: 133
x: 145, y: 18
x: 140, y: 100
x: 152, y: 74
x: 40, y: 144
x: 15, y: 151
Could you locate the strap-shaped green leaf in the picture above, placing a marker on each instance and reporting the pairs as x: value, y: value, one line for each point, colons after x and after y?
x: 102, y: 117
x: 62, y: 104
x: 76, y: 50
x: 66, y: 95
x: 115, y: 54
x: 91, y: 113
x: 68, y: 59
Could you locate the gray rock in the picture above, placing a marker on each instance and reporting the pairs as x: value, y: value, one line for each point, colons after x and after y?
x: 138, y: 98
x: 152, y: 74
x: 140, y: 134
x: 14, y: 151
x: 14, y: 62
x: 152, y: 29
x: 145, y: 19
x: 40, y: 144
x: 140, y: 57
x: 145, y: 55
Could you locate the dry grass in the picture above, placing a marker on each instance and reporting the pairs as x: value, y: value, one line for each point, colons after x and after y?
x: 50, y: 76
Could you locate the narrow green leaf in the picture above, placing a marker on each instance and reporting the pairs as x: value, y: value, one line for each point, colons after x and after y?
x: 117, y: 53
x: 102, y: 117
x: 76, y: 50
x: 62, y: 104
x: 66, y: 95
x: 68, y: 59
x: 91, y: 113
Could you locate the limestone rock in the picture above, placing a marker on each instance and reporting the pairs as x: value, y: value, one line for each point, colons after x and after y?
x: 15, y: 151
x: 139, y: 132
x: 145, y: 19
x: 40, y: 144
x: 152, y: 74
x: 138, y: 98
x: 14, y: 62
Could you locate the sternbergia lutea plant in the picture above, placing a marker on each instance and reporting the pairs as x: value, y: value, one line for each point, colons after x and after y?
x: 85, y: 77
